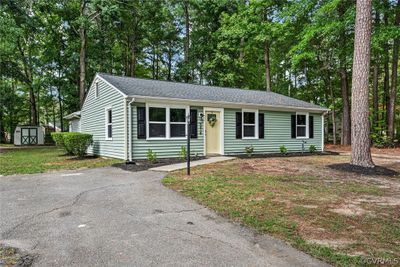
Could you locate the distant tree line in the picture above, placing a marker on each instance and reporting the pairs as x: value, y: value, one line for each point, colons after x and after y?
x: 50, y: 51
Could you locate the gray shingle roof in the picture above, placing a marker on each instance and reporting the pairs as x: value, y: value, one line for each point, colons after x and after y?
x: 165, y: 89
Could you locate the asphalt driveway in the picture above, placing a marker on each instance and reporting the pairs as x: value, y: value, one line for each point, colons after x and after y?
x: 110, y: 217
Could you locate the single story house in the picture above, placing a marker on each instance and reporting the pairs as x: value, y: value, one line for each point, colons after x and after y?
x: 128, y: 116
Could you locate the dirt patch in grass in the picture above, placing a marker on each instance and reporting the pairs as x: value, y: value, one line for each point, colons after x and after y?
x: 333, y: 214
x: 142, y: 165
x: 377, y: 170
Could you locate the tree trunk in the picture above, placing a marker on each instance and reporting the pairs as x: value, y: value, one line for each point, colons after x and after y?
x: 375, y: 89
x: 361, y: 151
x: 153, y: 64
x: 386, y: 85
x: 133, y: 59
x: 157, y: 64
x: 187, y: 39
x: 344, y: 85
x: 29, y: 82
x: 333, y: 112
x: 395, y: 61
x: 376, y: 80
x: 82, y: 57
x: 169, y: 63
x: 346, y: 123
x: 61, y: 109
x: 267, y: 66
x: 241, y: 52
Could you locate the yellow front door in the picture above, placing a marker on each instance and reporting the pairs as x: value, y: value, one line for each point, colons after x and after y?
x: 213, y: 134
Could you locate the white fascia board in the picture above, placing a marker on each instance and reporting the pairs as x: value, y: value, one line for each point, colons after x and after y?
x: 192, y: 102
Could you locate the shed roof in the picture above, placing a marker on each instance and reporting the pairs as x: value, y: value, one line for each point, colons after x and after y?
x: 137, y: 87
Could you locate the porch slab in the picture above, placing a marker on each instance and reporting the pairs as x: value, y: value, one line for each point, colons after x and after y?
x: 179, y: 166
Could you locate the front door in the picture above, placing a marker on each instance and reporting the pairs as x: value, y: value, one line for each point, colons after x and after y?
x: 28, y: 136
x: 213, y: 132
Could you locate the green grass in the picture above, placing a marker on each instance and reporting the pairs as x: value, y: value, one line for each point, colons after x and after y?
x: 38, y: 160
x: 295, y: 207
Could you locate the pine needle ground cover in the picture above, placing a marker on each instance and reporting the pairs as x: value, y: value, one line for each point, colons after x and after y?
x: 45, y: 159
x: 340, y: 217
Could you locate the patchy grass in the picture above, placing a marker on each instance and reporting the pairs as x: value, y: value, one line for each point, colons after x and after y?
x: 38, y: 159
x: 342, y: 218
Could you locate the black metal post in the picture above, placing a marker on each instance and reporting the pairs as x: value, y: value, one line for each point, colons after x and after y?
x: 188, y: 146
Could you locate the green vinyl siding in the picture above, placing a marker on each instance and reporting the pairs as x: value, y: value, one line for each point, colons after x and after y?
x: 277, y: 128
x: 166, y: 148
x: 93, y: 121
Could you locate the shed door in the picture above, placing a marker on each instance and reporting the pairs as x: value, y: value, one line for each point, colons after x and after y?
x: 29, y: 136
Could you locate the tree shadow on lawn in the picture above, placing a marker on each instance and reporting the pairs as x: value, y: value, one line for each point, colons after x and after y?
x: 377, y: 170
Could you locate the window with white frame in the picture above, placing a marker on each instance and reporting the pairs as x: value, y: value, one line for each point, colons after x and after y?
x: 302, y: 125
x: 108, y: 123
x: 250, y: 123
x: 177, y: 122
x: 96, y: 90
x: 157, y: 122
x: 166, y: 122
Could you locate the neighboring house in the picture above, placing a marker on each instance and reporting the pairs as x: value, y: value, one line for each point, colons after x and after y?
x: 74, y: 121
x: 128, y: 116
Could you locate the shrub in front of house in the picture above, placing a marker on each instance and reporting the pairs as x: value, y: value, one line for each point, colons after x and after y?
x: 283, y: 150
x: 249, y: 151
x: 151, y: 156
x: 77, y: 143
x: 312, y: 149
x: 73, y: 143
x: 183, y: 153
x: 58, y: 138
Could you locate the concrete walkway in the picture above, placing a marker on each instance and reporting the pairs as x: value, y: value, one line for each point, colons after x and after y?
x: 179, y: 166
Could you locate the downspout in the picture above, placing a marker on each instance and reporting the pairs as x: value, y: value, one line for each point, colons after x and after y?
x: 130, y: 150
x: 323, y: 130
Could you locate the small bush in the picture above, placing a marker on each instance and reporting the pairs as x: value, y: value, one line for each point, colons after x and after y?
x: 151, y: 156
x: 283, y: 149
x: 312, y: 149
x: 58, y: 138
x: 77, y: 143
x: 249, y: 151
x: 183, y: 153
x: 382, y: 141
x: 73, y: 143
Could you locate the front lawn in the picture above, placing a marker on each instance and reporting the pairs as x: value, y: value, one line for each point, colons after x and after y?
x: 44, y: 159
x: 340, y: 217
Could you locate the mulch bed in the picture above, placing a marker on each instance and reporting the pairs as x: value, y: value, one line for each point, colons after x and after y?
x: 287, y: 155
x: 377, y: 170
x: 142, y: 165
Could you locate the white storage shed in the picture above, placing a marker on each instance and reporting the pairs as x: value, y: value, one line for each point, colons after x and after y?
x: 28, y: 135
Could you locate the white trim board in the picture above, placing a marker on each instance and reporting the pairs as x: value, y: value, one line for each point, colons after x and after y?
x: 218, y: 104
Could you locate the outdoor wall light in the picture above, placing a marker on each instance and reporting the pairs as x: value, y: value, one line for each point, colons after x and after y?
x: 201, y: 120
